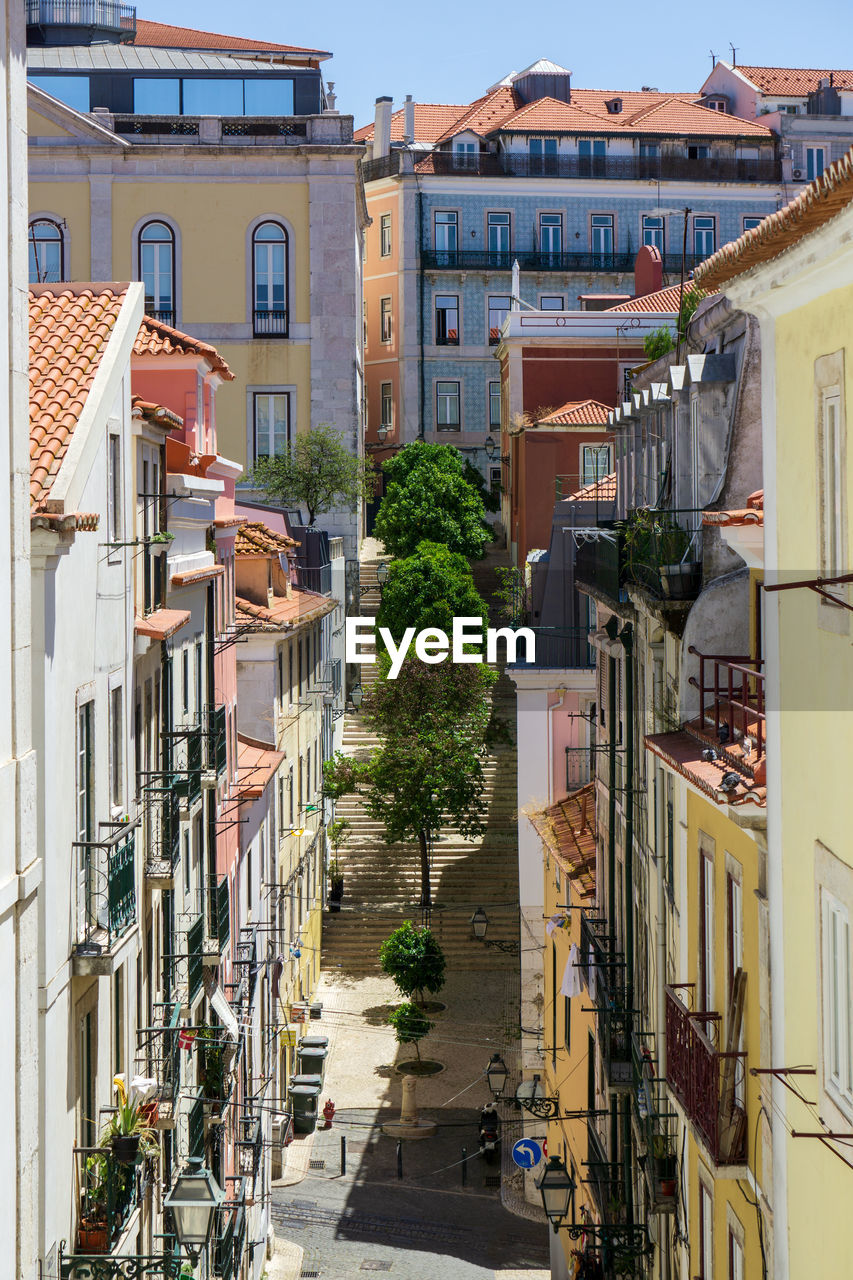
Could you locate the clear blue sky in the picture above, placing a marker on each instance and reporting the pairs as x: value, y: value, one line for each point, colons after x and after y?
x: 452, y: 52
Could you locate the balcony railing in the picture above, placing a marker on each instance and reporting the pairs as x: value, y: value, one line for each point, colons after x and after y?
x: 195, y: 958
x: 598, y: 563
x: 246, y: 957
x: 557, y: 648
x: 270, y: 323
x: 230, y: 1240
x: 731, y: 695
x: 108, y: 1192
x: 249, y: 1141
x: 520, y: 164
x: 218, y: 907
x: 315, y: 578
x: 119, y: 19
x: 661, y: 555
x: 528, y: 260
x: 701, y: 1078
x: 217, y: 742
x: 603, y: 1176
x: 107, y: 888
x: 195, y: 1129
x: 604, y: 970
x: 188, y: 777
x: 164, y: 315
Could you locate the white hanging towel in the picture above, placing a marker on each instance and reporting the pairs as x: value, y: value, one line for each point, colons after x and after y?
x: 572, y: 984
x: 556, y: 922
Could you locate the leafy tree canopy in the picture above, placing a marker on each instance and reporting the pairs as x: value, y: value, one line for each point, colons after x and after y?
x: 413, y: 958
x: 491, y: 501
x: 428, y: 589
x: 410, y: 1024
x: 427, y: 498
x: 657, y: 343
x: 317, y: 471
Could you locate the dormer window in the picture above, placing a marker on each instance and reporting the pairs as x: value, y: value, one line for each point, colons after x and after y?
x: 716, y: 104
x: 614, y: 106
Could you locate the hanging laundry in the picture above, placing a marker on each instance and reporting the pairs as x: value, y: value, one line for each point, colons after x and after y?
x: 557, y: 921
x: 572, y: 985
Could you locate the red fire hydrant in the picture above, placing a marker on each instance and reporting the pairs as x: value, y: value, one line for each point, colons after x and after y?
x: 329, y: 1112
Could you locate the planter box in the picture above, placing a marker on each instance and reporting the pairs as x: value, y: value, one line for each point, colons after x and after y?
x: 681, y: 581
x: 93, y: 1237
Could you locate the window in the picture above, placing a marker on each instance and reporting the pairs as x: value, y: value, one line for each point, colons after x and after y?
x: 735, y: 1251
x: 446, y: 320
x: 495, y: 481
x: 116, y: 748
x: 543, y: 155
x: 653, y: 231
x: 446, y: 231
x: 267, y: 96
x: 85, y: 773
x: 465, y: 155
x: 749, y: 223
x: 386, y: 405
x: 697, y: 153
x: 269, y: 281
x: 385, y: 320
x: 734, y: 927
x: 601, y: 234
x: 498, y: 234
x: 814, y: 163
x: 157, y: 270
x: 72, y: 90
x: 703, y: 237
x: 591, y: 157
x: 649, y: 151
x: 213, y: 96
x: 499, y: 308
x: 46, y: 252
x: 270, y: 423
x: 705, y: 992
x: 832, y: 497
x: 114, y: 522
x: 447, y: 406
x: 494, y: 404
x: 385, y: 235
x: 118, y: 1020
x: 552, y: 302
x: 706, y: 1233
x: 596, y: 462
x: 156, y: 96
x: 836, y: 995
x: 550, y: 234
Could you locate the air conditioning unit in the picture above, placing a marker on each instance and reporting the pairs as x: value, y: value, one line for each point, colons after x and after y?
x: 798, y: 173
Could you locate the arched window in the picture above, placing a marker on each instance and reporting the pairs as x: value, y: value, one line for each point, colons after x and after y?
x: 269, y: 280
x: 157, y: 270
x: 47, y: 251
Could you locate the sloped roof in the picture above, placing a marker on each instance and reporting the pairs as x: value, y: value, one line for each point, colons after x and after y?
x: 541, y: 67
x: 576, y: 413
x: 486, y: 114
x: 603, y: 490
x: 667, y: 299
x: 285, y: 612
x: 432, y: 119
x: 158, y: 339
x: 70, y: 328
x: 157, y: 414
x: 794, y: 82
x: 822, y: 199
x: 567, y: 829
x: 162, y: 623
x: 163, y: 35
x: 254, y: 538
x: 257, y: 763
x: 683, y: 752
x: 665, y: 115
x: 752, y: 513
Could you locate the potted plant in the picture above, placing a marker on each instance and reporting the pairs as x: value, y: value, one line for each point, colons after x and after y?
x: 129, y: 1134
x: 664, y: 1167
x: 337, y: 832
x: 93, y: 1233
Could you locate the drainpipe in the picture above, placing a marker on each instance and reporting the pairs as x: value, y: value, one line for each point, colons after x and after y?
x: 626, y: 635
x: 611, y: 804
x: 421, y: 383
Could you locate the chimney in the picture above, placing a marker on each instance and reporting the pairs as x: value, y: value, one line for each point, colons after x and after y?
x: 409, y: 120
x: 382, y: 128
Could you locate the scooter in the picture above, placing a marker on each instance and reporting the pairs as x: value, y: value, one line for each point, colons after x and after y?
x: 490, y: 1130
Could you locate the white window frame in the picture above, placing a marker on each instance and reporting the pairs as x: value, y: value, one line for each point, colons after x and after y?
x: 836, y: 989
x: 704, y: 224
x: 452, y: 216
x: 705, y: 997
x: 706, y: 1232
x: 385, y: 242
x: 814, y: 160
x: 454, y: 299
x: 659, y: 229
x: 386, y: 398
x: 594, y: 453
x: 273, y: 389
x: 116, y: 739
x: 833, y: 540
x: 268, y: 395
x: 448, y: 397
x: 494, y: 399
x: 602, y: 226
x: 115, y: 522
x: 386, y: 313
x: 493, y: 342
x: 62, y: 239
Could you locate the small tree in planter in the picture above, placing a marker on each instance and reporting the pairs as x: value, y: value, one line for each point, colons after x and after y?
x: 415, y: 961
x: 410, y: 1025
x: 337, y: 833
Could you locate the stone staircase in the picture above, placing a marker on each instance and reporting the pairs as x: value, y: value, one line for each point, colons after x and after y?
x: 382, y: 882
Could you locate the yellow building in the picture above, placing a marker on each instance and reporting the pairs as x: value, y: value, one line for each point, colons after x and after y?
x: 239, y: 204
x: 795, y: 273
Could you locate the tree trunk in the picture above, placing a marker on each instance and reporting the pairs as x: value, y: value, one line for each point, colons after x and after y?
x: 426, y: 897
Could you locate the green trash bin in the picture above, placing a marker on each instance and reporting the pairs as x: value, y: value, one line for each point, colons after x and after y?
x: 311, y: 1054
x: 316, y: 1081
x: 304, y: 1100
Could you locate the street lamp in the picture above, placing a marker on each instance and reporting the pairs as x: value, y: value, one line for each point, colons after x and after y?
x: 497, y: 1074
x: 555, y: 1185
x: 382, y: 433
x: 383, y: 571
x: 531, y: 1097
x: 479, y: 924
x: 356, y: 696
x: 193, y: 1201
x: 490, y: 447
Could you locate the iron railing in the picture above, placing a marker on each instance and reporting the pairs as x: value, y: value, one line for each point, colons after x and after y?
x: 230, y: 1240
x: 662, y: 556
x: 217, y: 743
x: 108, y: 1192
x: 556, y: 648
x: 108, y: 887
x: 598, y: 562
x: 128, y: 1266
x: 164, y: 315
x: 218, y: 903
x: 731, y: 694
x: 249, y: 1141
x: 188, y: 778
x: 105, y: 14
x: 528, y: 260
x: 195, y: 1129
x: 246, y: 957
x: 694, y: 1073
x: 270, y: 323
x: 604, y: 970
x: 315, y: 578
x: 195, y: 958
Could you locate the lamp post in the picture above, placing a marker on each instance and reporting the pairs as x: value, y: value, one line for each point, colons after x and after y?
x: 479, y: 925
x: 490, y: 447
x: 383, y: 571
x: 497, y: 1075
x: 193, y: 1201
x: 355, y: 700
x: 531, y: 1097
x: 555, y: 1185
x: 382, y: 433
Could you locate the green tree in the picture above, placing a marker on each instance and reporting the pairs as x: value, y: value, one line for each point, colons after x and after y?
x: 427, y: 498
x: 413, y: 958
x: 317, y: 471
x: 437, y: 724
x: 657, y: 343
x: 689, y: 302
x: 476, y: 479
x: 428, y: 589
x: 410, y: 1025
x: 513, y: 594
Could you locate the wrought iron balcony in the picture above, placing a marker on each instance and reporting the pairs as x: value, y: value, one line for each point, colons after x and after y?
x: 216, y: 907
x: 164, y: 816
x: 603, y: 969
x: 270, y: 323
x: 702, y: 1078
x: 604, y: 1176
x: 107, y: 1194
x: 528, y: 260
x: 557, y: 648
x: 598, y: 563
x: 217, y: 741
x: 79, y: 21
x: 106, y: 901
x: 732, y: 698
x: 159, y: 1057
x: 126, y: 1266
x: 188, y: 772
x: 164, y: 315
x: 195, y: 1129
x: 662, y: 552
x: 230, y: 1237
x: 315, y: 578
x: 195, y: 958
x: 245, y: 960
x: 249, y: 1142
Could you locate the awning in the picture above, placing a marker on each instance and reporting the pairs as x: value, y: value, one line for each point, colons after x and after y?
x: 220, y: 1006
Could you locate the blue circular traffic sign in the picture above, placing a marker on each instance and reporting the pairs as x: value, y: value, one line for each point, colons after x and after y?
x: 527, y: 1153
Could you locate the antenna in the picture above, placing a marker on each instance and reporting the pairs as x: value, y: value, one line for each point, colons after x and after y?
x: 734, y: 54
x: 714, y: 57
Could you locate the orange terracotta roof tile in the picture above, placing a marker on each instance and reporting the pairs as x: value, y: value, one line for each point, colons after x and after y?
x: 568, y: 831
x: 432, y: 119
x: 752, y: 513
x: 665, y: 114
x: 603, y: 490
x: 162, y: 35
x: 70, y: 327
x: 157, y: 414
x: 667, y: 299
x: 285, y: 613
x: 578, y: 413
x: 254, y: 538
x: 683, y: 752
x: 794, y: 82
x: 162, y: 623
x: 827, y: 196
x: 192, y: 576
x: 70, y: 522
x: 158, y: 339
x: 257, y: 763
x: 486, y: 114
